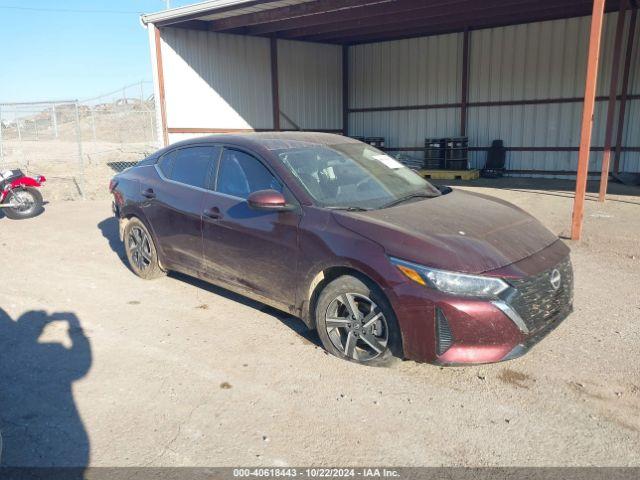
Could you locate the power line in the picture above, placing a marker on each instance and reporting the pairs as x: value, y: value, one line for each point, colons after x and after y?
x: 68, y: 10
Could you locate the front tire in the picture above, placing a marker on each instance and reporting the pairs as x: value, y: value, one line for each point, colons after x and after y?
x: 28, y: 203
x: 141, y: 251
x: 355, y: 322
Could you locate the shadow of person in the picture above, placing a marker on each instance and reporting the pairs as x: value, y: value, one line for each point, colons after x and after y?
x: 109, y: 229
x: 39, y: 421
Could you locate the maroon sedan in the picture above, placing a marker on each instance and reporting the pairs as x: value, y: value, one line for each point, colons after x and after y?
x: 333, y: 231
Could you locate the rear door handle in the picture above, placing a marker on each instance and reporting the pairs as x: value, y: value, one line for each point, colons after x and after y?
x: 148, y: 193
x: 213, y: 213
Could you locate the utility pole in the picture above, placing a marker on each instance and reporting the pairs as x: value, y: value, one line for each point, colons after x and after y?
x: 168, y: 4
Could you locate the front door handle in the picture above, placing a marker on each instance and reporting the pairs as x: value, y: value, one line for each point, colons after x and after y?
x: 149, y: 193
x: 213, y: 213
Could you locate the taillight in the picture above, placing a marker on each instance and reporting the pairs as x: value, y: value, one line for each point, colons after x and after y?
x: 112, y: 185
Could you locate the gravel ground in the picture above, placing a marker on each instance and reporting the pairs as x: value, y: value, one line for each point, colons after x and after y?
x: 100, y: 367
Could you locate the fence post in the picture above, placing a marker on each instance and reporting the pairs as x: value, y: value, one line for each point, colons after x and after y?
x: 79, y: 140
x: 153, y: 129
x: 18, y: 127
x: 55, y: 120
x: 93, y: 123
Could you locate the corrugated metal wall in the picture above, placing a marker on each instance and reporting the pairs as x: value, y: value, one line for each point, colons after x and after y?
x: 215, y: 80
x: 310, y: 85
x: 417, y: 71
x: 535, y: 61
x: 221, y: 81
x: 224, y: 81
x: 630, y: 161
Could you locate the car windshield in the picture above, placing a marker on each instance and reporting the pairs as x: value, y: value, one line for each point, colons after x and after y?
x: 353, y: 175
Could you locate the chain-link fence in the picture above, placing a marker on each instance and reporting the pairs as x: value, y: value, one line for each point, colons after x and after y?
x: 79, y: 145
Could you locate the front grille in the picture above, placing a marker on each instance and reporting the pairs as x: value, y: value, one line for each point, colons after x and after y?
x: 537, y: 301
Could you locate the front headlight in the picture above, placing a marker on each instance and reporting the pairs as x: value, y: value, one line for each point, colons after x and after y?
x: 452, y: 282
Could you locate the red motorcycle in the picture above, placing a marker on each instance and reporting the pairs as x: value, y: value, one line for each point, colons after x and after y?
x: 19, y: 198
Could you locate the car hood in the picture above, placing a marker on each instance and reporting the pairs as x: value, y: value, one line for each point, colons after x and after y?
x: 461, y: 231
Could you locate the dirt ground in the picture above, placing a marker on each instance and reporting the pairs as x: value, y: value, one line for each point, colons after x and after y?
x: 99, y: 366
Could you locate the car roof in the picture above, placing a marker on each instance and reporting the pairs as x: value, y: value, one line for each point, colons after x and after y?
x: 271, y: 140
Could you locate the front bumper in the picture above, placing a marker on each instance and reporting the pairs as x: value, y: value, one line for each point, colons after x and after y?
x: 536, y: 337
x: 480, y: 332
x: 469, y: 355
x: 448, y: 330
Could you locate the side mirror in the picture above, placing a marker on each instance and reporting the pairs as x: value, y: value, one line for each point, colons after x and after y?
x: 269, y: 200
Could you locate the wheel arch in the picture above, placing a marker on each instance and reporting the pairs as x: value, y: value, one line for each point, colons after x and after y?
x: 126, y: 216
x: 329, y: 274
x: 325, y: 276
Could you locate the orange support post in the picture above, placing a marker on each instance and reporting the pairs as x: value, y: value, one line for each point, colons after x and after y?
x: 587, y: 118
x: 611, y: 108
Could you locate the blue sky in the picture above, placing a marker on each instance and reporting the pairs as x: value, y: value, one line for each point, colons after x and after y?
x: 50, y: 54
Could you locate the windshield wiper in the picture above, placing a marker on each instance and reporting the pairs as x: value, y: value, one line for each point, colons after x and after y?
x: 408, y: 197
x: 349, y: 209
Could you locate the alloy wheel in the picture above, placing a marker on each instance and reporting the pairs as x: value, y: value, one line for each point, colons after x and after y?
x: 139, y: 248
x: 357, y: 327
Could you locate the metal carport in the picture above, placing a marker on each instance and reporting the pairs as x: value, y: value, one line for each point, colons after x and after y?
x: 538, y: 73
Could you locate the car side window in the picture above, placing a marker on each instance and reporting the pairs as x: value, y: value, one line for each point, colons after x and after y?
x: 166, y: 162
x: 241, y: 174
x: 191, y: 166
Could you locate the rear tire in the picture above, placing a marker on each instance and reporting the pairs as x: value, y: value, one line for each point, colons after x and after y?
x: 355, y: 322
x: 30, y: 201
x: 141, y: 251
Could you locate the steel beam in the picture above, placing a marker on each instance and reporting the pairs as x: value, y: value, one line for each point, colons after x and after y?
x: 162, y: 100
x: 345, y: 90
x: 397, y: 12
x: 591, y: 80
x: 457, y: 23
x: 205, y: 130
x: 611, y: 107
x: 519, y: 149
x: 494, y: 103
x: 385, y: 17
x: 275, y: 87
x: 464, y: 95
x: 625, y: 87
x: 286, y: 13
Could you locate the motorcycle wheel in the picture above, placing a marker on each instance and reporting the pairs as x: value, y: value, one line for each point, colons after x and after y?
x: 28, y: 203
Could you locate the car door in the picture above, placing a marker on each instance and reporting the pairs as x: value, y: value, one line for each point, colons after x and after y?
x: 255, y: 250
x: 174, y: 205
